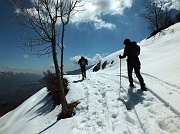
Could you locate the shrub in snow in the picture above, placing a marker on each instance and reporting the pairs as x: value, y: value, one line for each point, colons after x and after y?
x: 104, y: 64
x: 52, y: 86
x: 97, y: 67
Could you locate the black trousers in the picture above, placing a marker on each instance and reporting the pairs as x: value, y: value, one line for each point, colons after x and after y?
x: 136, y: 66
x: 83, y: 71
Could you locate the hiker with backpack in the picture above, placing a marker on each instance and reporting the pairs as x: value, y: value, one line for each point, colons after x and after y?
x: 132, y: 51
x: 83, y: 62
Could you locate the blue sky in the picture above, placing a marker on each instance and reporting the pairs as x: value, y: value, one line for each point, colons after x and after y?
x: 94, y: 33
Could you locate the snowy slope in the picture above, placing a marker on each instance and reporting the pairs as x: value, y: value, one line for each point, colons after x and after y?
x: 106, y: 108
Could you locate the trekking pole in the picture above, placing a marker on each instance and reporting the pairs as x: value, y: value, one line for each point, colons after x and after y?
x: 120, y: 74
x: 120, y: 79
x: 134, y: 79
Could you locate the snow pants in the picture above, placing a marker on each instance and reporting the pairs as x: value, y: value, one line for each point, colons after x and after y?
x: 83, y: 71
x: 136, y: 66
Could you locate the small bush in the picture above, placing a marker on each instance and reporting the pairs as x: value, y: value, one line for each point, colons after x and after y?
x: 52, y: 86
x: 104, y: 64
x: 97, y: 67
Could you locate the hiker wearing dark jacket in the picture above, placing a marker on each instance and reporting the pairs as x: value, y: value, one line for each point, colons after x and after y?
x: 83, y: 62
x: 132, y: 50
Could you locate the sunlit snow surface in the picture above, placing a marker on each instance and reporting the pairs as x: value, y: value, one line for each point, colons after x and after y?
x: 106, y: 108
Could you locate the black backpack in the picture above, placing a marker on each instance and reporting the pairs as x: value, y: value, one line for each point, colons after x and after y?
x: 135, y: 49
x: 83, y: 61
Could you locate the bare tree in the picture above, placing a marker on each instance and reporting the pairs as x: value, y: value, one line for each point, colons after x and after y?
x: 157, y: 14
x: 66, y: 9
x: 43, y: 17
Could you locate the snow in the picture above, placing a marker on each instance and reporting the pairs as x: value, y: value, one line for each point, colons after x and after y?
x: 106, y: 108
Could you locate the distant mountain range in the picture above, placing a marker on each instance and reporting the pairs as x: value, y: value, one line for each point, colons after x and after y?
x: 17, y: 87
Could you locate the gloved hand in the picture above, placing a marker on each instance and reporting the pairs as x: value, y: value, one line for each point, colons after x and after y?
x: 120, y: 57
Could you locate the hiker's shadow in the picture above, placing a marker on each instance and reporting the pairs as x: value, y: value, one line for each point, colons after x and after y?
x: 133, y: 98
x: 76, y: 81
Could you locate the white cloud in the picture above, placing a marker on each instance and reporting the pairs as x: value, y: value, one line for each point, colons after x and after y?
x: 15, y: 69
x: 75, y: 59
x: 11, y: 68
x: 93, y: 10
x: 95, y: 59
x: 26, y: 56
x: 175, y: 4
x: 172, y: 4
x: 51, y: 65
x: 91, y: 61
x: 99, y: 23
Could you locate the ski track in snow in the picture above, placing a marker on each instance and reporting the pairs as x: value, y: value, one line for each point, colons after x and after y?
x: 148, y: 113
x: 158, y: 84
x: 169, y: 90
x: 163, y: 83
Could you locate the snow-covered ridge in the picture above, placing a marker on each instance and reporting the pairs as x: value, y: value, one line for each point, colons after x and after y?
x: 106, y: 108
x: 159, y: 55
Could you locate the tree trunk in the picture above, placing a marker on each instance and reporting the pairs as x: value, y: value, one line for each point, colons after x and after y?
x: 60, y: 83
x: 62, y: 49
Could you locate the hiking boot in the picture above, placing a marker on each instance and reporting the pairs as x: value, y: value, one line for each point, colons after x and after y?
x: 132, y: 85
x: 144, y: 88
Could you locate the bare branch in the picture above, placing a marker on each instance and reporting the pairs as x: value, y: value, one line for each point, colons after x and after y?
x: 157, y: 14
